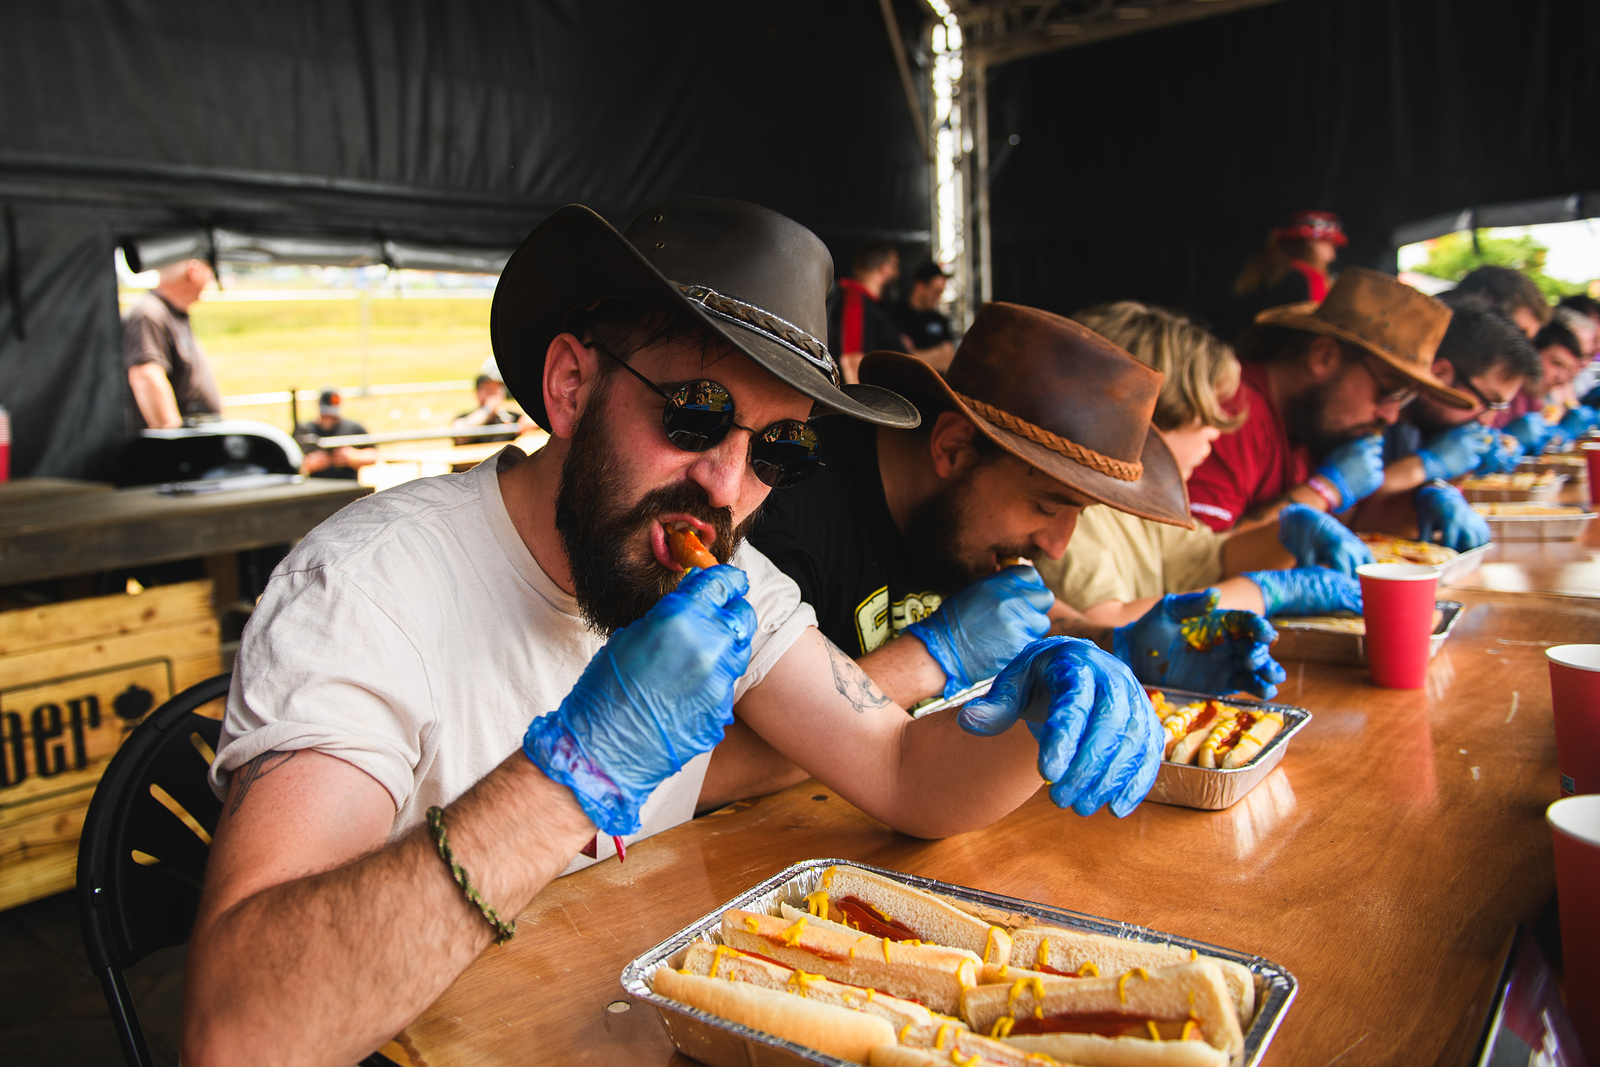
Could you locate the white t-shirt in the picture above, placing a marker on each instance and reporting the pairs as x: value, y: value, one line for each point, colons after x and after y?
x: 413, y: 635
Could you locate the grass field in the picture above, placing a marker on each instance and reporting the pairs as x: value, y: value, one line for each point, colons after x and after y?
x: 270, y: 345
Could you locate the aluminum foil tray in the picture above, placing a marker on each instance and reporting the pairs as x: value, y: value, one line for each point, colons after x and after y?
x: 720, y: 1042
x: 1563, y: 527
x: 1462, y: 566
x: 1308, y: 643
x: 1569, y: 463
x: 1539, y: 493
x: 1213, y: 790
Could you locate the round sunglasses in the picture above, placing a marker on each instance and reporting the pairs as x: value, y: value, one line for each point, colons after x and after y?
x: 700, y: 413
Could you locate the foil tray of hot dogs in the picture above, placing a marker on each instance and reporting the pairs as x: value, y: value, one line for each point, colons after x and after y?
x: 720, y: 1042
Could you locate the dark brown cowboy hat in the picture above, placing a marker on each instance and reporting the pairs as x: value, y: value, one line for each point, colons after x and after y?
x: 1058, y: 396
x: 1380, y: 314
x: 754, y: 278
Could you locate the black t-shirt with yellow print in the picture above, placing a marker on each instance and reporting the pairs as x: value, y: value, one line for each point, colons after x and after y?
x: 834, y: 536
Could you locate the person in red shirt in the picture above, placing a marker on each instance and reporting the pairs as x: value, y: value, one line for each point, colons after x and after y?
x: 1292, y: 267
x: 857, y: 324
x: 1318, y: 387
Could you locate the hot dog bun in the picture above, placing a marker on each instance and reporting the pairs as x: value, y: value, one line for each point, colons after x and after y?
x: 1066, y: 951
x: 1092, y: 1050
x: 720, y: 961
x: 902, y: 1056
x: 932, y: 974
x: 1254, y: 740
x: 686, y: 549
x: 1169, y: 997
x: 926, y: 916
x: 954, y: 1045
x: 850, y: 1035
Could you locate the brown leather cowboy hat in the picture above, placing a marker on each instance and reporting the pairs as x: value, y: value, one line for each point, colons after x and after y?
x: 753, y: 277
x: 1059, y: 397
x: 1382, y: 315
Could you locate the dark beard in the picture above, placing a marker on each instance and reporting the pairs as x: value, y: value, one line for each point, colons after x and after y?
x: 615, y: 584
x: 1305, y: 421
x: 934, y: 540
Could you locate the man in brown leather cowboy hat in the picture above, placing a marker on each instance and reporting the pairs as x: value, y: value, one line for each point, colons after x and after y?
x: 389, y: 806
x: 1320, y: 383
x: 905, y: 544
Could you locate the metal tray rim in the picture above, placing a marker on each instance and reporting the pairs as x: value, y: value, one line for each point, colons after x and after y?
x: 1294, y: 720
x: 1281, y: 986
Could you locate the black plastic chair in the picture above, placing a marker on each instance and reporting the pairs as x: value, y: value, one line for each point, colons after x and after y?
x: 140, y: 864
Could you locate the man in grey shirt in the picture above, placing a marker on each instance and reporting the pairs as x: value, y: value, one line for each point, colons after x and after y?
x: 167, y: 370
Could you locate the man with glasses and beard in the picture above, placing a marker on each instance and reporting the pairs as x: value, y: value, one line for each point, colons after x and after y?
x: 913, y: 544
x: 1320, y: 384
x: 389, y: 806
x: 1484, y: 354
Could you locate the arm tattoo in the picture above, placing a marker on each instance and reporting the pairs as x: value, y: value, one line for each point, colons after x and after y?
x: 852, y: 682
x: 254, y: 771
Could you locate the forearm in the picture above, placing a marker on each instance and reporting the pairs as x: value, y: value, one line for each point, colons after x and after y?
x: 1386, y: 512
x: 1300, y: 494
x: 344, y: 959
x: 904, y: 671
x: 1066, y: 621
x: 1254, y: 548
x: 938, y: 357
x: 153, y: 395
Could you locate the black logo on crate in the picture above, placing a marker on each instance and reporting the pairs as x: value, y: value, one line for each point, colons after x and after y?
x: 50, y: 728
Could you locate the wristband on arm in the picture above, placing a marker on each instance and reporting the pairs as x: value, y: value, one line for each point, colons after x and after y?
x: 1327, y: 491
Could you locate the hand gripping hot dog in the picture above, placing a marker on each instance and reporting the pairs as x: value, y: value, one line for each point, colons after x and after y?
x: 932, y: 974
x: 686, y: 549
x: 1061, y: 952
x: 842, y: 1032
x: 1165, y: 1004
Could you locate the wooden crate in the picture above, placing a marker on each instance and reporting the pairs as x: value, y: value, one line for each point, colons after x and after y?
x: 75, y: 679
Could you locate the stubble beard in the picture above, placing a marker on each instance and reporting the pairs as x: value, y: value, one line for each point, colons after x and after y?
x: 938, y: 536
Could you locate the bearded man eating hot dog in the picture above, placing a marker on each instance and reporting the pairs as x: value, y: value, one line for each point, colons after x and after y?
x: 450, y: 689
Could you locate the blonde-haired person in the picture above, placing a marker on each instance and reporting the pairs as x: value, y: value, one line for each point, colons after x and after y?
x: 1117, y: 566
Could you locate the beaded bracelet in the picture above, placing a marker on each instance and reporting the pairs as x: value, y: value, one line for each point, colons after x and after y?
x: 503, y: 930
x: 1323, y: 488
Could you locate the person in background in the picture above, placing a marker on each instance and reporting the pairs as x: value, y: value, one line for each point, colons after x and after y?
x: 1510, y: 292
x: 168, y: 371
x: 857, y: 323
x: 1118, y: 566
x: 1317, y: 389
x: 491, y: 409
x: 1585, y: 382
x: 1292, y: 268
x: 341, y: 461
x: 1485, y: 354
x: 919, y: 318
x: 906, y: 543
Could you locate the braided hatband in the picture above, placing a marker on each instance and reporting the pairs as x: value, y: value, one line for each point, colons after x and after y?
x: 780, y: 330
x: 1119, y: 469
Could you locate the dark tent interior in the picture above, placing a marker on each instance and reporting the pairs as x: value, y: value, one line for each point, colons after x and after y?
x: 1148, y: 166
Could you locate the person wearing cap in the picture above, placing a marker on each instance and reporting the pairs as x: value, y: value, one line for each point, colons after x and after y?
x: 1293, y: 266
x: 389, y: 806
x: 1118, y: 566
x: 1484, y: 354
x: 490, y: 390
x: 168, y: 372
x: 341, y: 461
x: 1319, y: 384
x: 905, y: 544
x: 857, y: 321
x: 920, y: 320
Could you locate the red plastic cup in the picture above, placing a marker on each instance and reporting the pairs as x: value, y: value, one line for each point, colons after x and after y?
x: 1575, y: 698
x: 1591, y: 452
x: 1397, y: 603
x: 1575, y: 824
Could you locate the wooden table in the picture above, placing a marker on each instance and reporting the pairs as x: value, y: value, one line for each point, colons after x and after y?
x: 79, y: 533
x: 1564, y: 568
x: 1383, y: 863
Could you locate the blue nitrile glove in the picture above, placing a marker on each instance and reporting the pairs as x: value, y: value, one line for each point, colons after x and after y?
x: 1443, y: 510
x: 1591, y: 399
x: 1317, y: 539
x: 1100, y: 741
x: 1531, y: 431
x: 1184, y: 642
x: 656, y: 695
x: 1502, y: 457
x: 1307, y: 591
x: 1354, y: 469
x: 1455, y: 451
x: 1578, y: 421
x: 980, y: 629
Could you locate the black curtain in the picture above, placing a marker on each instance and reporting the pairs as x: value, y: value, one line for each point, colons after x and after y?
x: 1151, y: 167
x: 451, y: 123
